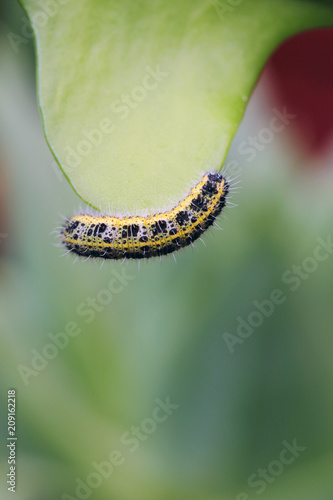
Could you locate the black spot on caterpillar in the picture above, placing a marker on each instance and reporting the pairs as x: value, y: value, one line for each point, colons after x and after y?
x: 111, y: 237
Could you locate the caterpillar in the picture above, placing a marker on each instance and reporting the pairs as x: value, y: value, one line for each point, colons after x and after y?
x: 112, y: 237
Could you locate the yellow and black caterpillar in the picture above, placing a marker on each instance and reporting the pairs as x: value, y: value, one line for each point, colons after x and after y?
x: 111, y: 237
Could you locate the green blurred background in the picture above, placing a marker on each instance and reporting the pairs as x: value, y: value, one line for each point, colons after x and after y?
x: 163, y: 335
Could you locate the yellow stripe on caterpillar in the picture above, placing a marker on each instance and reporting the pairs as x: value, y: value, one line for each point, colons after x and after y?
x: 111, y: 237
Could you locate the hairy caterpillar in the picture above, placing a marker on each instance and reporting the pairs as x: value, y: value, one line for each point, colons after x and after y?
x: 111, y: 237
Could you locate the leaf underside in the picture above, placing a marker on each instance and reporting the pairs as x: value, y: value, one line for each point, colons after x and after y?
x: 138, y: 99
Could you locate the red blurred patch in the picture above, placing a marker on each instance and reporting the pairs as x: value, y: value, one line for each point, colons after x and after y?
x: 300, y: 74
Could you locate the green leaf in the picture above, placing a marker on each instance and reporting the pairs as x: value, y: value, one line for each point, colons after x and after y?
x: 138, y: 98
